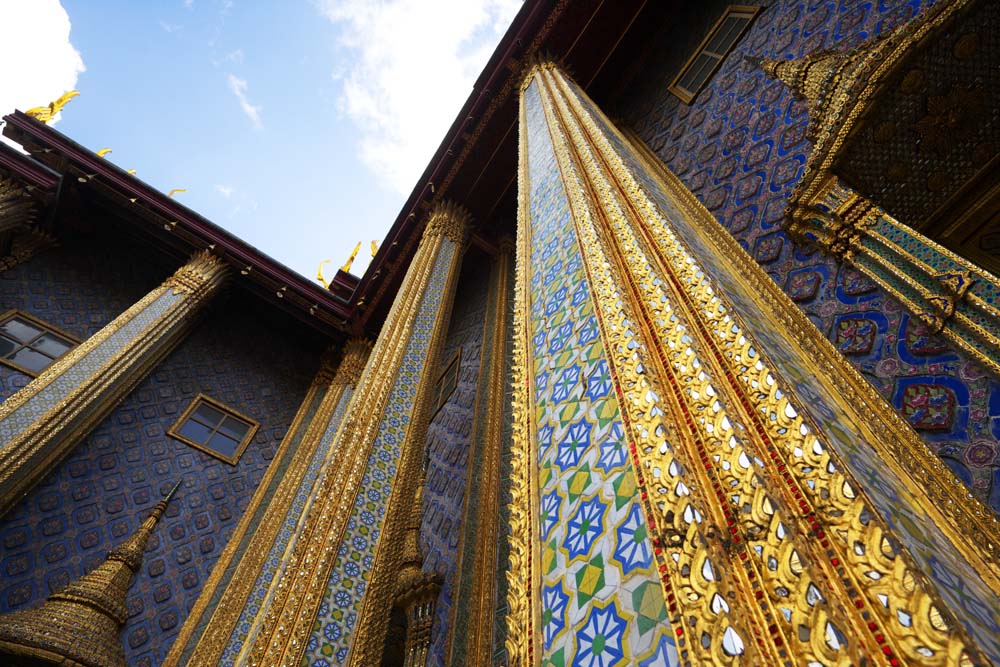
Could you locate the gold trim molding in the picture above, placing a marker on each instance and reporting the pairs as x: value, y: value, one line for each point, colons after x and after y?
x: 769, y: 547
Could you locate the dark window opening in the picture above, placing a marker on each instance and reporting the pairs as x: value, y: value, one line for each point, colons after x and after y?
x: 30, y: 345
x: 215, y: 429
x: 708, y: 57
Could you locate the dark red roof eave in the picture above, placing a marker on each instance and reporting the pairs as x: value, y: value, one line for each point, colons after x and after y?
x: 237, y: 251
x: 28, y: 169
x: 524, y: 24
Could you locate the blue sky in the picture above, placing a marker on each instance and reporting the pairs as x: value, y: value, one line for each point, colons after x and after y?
x: 299, y: 125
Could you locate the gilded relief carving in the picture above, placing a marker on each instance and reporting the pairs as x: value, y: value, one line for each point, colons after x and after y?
x: 844, y: 92
x: 772, y: 538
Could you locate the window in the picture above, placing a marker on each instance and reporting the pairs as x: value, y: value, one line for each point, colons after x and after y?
x: 713, y: 49
x: 447, y: 382
x: 214, y: 428
x: 30, y: 345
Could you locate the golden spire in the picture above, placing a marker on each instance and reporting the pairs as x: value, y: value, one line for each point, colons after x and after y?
x: 319, y: 274
x: 80, y: 624
x: 350, y: 260
x: 47, y: 113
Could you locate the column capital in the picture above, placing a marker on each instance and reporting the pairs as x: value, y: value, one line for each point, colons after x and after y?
x: 449, y: 220
x: 506, y: 246
x: 534, y: 66
x: 202, y: 271
x: 353, y: 361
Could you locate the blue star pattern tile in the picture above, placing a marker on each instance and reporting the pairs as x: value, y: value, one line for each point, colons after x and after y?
x: 345, y: 592
x: 591, y: 614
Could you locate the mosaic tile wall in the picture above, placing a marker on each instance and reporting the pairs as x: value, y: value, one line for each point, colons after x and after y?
x: 78, y: 287
x: 601, y: 600
x: 740, y: 147
x: 448, y: 455
x: 338, y: 613
x: 248, y: 358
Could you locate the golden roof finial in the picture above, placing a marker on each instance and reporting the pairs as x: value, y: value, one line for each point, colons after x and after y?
x: 374, y: 248
x: 319, y: 274
x: 175, y: 191
x: 350, y: 260
x: 80, y: 624
x: 103, y: 152
x: 47, y: 113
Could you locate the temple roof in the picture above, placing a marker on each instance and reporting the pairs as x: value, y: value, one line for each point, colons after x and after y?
x: 475, y: 165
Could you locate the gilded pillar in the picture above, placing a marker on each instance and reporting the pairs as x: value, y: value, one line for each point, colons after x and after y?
x: 240, y: 583
x: 416, y: 591
x: 476, y: 590
x: 789, y: 514
x: 42, y: 422
x: 334, y: 593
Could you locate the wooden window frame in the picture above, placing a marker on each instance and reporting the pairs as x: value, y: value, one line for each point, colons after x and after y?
x: 174, y: 430
x: 46, y: 328
x: 439, y: 398
x: 688, y: 96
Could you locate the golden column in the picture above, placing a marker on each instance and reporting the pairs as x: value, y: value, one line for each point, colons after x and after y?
x: 347, y: 547
x: 786, y: 522
x: 236, y: 589
x: 416, y: 591
x: 41, y: 423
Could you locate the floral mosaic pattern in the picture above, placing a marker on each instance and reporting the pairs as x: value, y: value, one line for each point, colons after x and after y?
x: 451, y: 481
x: 338, y: 612
x: 739, y: 147
x: 602, y: 605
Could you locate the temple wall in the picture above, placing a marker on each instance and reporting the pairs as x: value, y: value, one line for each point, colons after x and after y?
x: 249, y: 358
x: 448, y: 440
x: 740, y: 147
x: 78, y: 286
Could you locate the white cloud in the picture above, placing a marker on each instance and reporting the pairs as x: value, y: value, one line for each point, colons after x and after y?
x: 224, y: 190
x: 235, y: 56
x: 239, y: 88
x: 412, y: 65
x: 42, y: 64
x: 188, y: 4
x: 170, y: 27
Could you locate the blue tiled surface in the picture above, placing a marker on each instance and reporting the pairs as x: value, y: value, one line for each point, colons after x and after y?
x: 78, y: 287
x: 740, y: 147
x: 448, y: 457
x: 252, y: 361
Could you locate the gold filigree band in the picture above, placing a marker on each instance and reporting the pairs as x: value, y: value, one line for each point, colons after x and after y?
x: 769, y: 546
